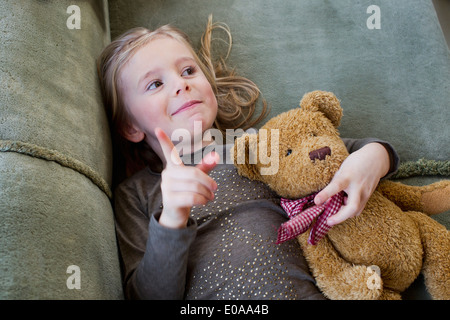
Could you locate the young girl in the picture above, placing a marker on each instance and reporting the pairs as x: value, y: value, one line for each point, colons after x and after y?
x: 201, y: 231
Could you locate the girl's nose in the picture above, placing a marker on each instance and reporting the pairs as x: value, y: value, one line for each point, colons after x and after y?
x: 184, y: 88
x: 181, y: 86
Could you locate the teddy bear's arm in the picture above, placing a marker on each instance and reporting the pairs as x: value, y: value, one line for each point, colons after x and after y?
x: 430, y: 199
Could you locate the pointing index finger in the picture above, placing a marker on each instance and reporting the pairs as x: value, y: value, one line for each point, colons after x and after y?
x: 170, y: 152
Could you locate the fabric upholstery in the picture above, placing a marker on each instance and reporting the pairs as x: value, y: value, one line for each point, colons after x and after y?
x: 55, y: 164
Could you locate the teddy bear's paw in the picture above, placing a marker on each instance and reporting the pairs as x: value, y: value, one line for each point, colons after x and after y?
x: 369, y: 286
x: 374, y: 282
x: 437, y: 200
x: 353, y: 283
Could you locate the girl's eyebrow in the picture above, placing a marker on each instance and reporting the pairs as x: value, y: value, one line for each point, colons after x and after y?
x: 184, y: 59
x: 149, y: 73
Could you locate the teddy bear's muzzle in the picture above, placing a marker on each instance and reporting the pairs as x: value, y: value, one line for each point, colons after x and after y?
x: 320, y: 153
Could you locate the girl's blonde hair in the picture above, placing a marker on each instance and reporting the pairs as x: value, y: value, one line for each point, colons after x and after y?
x: 236, y: 96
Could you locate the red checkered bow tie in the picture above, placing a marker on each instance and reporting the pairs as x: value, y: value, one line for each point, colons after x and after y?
x: 302, y: 213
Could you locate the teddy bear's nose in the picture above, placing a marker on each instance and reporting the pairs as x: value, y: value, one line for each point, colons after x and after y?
x: 320, y: 153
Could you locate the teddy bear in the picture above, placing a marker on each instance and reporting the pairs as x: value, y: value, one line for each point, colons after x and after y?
x: 379, y: 253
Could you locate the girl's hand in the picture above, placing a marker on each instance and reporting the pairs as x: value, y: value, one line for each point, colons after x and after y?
x: 358, y: 176
x: 183, y: 186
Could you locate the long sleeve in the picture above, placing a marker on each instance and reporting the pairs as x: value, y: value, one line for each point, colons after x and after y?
x: 162, y: 271
x: 154, y: 258
x: 356, y: 144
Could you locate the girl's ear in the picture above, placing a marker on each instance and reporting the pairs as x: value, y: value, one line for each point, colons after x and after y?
x: 133, y: 134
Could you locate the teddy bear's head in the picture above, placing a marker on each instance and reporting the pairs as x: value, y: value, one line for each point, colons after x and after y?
x: 297, y: 152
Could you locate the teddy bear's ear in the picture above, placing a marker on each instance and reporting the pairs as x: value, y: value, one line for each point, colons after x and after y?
x: 325, y: 102
x: 244, y: 154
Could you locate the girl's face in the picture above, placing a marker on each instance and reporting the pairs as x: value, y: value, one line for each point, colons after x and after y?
x: 162, y: 86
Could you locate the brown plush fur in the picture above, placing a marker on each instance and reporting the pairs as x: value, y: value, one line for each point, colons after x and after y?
x: 376, y: 255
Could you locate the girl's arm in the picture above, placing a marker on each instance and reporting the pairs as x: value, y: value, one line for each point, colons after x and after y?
x: 369, y: 161
x: 155, y: 260
x: 153, y: 257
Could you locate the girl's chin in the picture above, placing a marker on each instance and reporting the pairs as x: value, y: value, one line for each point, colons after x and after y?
x: 198, y: 124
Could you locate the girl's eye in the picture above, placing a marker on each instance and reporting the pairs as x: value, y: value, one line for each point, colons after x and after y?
x: 154, y: 85
x: 188, y: 71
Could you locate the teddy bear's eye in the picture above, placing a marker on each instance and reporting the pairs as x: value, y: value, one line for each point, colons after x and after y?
x: 313, y: 134
x: 288, y: 152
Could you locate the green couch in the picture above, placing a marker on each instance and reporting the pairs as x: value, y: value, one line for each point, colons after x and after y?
x: 390, y: 69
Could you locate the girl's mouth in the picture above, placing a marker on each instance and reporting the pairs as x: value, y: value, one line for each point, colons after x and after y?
x: 186, y: 106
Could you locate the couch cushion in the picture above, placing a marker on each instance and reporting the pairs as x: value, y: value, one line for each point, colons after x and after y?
x: 55, y: 153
